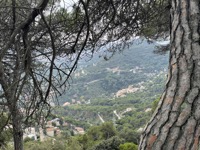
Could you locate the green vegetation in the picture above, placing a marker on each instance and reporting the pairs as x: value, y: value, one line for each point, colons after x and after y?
x: 85, y: 114
x: 103, y: 137
x: 5, y: 132
x: 128, y: 146
x: 51, y: 144
x: 109, y: 144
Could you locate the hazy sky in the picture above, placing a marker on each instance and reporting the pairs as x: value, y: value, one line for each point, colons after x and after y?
x: 68, y: 3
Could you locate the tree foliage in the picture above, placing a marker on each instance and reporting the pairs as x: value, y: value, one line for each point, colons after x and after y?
x: 50, y: 144
x: 128, y: 146
x: 5, y: 131
x: 109, y: 144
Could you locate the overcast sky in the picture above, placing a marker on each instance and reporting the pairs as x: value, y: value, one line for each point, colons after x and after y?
x: 67, y: 3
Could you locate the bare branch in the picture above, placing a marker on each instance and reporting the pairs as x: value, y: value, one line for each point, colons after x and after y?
x: 53, y: 56
x: 31, y: 17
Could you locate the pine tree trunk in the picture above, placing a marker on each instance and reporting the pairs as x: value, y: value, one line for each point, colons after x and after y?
x: 17, y: 130
x: 175, y: 124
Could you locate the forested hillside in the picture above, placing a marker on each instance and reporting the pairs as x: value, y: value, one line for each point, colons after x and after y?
x: 101, y: 78
x: 122, y: 87
x: 109, y: 101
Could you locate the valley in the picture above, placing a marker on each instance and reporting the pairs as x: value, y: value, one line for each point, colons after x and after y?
x: 108, y: 100
x: 104, y: 90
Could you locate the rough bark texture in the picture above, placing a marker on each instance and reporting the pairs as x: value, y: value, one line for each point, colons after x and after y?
x: 17, y: 131
x: 175, y: 124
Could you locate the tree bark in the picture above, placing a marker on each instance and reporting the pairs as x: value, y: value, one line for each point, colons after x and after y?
x: 175, y: 124
x: 17, y: 130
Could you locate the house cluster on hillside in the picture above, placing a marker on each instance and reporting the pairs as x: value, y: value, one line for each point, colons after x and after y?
x: 52, y: 128
x: 123, y: 92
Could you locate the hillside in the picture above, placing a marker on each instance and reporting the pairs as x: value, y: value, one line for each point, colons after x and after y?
x: 108, y: 103
x: 120, y: 90
x: 100, y: 78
